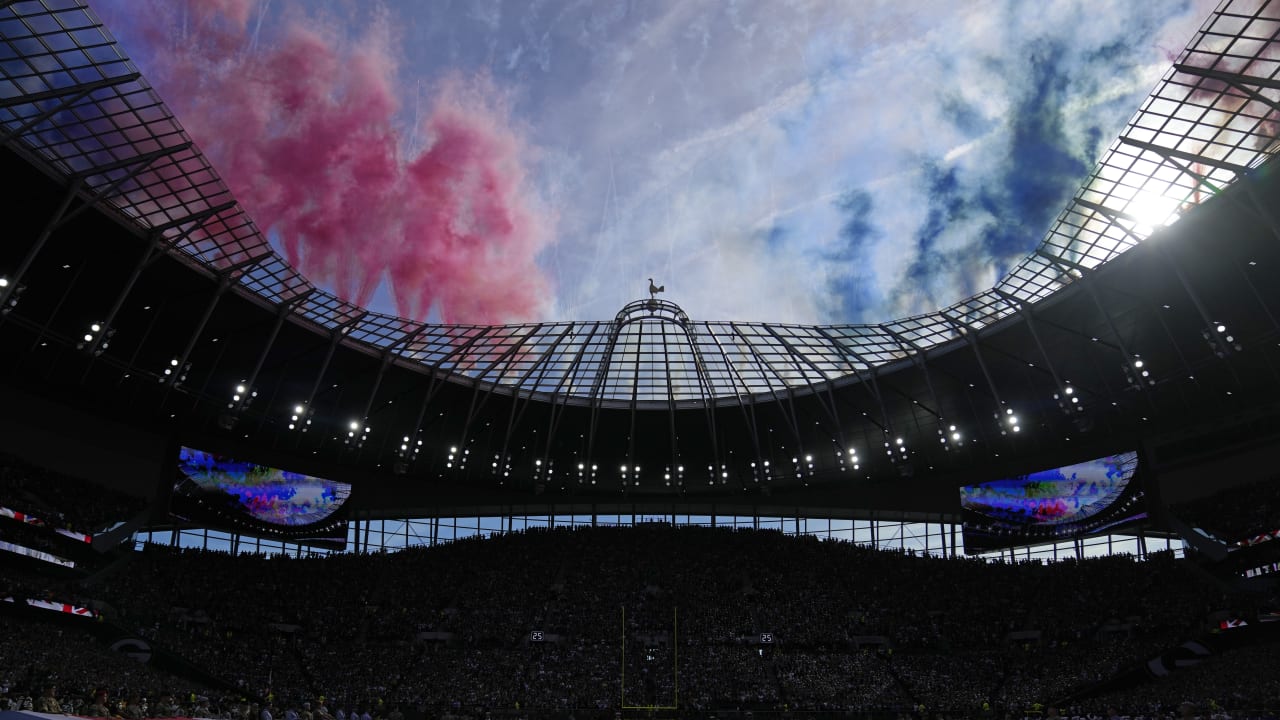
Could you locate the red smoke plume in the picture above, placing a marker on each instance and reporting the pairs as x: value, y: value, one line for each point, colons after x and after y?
x: 302, y: 125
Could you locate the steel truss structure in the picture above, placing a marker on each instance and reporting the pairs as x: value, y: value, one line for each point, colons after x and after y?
x: 1096, y: 343
x: 71, y: 101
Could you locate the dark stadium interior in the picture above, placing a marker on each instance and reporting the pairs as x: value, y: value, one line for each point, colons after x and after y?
x: 536, y: 549
x: 1230, y: 392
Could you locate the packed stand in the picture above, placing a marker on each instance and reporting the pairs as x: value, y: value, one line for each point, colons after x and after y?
x: 537, y: 620
x: 1237, y: 513
x: 60, y: 500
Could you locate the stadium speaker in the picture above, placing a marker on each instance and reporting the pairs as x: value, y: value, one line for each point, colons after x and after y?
x: 227, y: 421
x: 400, y: 468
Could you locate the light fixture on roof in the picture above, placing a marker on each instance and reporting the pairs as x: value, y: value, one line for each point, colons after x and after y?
x: 9, y: 295
x: 175, y: 374
x: 1009, y: 422
x: 242, y: 397
x: 357, y: 433
x: 301, y: 417
x: 96, y: 340
x: 1220, y: 341
x: 1137, y: 373
x: 949, y: 436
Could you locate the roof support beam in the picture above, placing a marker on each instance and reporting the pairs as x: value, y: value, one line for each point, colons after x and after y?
x: 358, y: 437
x: 789, y: 412
x: 829, y: 407
x: 153, y: 250
x: 198, y: 216
x: 517, y: 406
x: 1239, y: 81
x: 54, y: 220
x: 235, y: 269
x: 869, y: 383
x: 972, y: 336
x: 1028, y: 317
x: 1164, y: 253
x: 143, y: 159
x: 282, y: 312
x: 179, y: 367
x: 72, y: 93
x: 918, y: 358
x: 748, y: 409
x: 136, y: 166
x: 335, y: 336
x: 1129, y: 358
x: 1184, y: 155
x: 434, y: 383
x: 475, y: 409
x: 705, y: 387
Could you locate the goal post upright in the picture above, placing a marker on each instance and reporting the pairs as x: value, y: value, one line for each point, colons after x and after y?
x: 675, y: 665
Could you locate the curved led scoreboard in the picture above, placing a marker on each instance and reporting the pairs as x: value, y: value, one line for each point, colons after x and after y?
x: 1055, y: 504
x: 215, y: 490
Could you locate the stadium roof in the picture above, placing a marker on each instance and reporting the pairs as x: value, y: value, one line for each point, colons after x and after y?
x: 70, y: 95
x: 1129, y: 326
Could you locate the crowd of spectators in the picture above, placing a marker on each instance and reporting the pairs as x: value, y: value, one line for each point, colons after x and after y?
x: 637, y: 616
x: 61, y: 500
x: 1236, y: 513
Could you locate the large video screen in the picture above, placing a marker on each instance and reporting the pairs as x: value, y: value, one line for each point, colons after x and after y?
x: 255, y: 499
x: 1056, y: 504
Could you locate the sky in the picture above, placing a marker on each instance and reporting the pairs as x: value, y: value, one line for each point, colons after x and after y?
x: 479, y: 161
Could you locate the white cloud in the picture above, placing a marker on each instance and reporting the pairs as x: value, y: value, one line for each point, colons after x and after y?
x: 763, y: 130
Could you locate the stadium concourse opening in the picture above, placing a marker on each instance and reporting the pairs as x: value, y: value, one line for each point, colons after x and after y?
x: 228, y: 492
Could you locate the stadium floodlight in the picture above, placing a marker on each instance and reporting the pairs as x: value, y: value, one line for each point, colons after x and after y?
x: 96, y: 340
x: 10, y: 296
x: 1137, y: 374
x: 1151, y: 211
x: 175, y: 373
x: 1220, y: 341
